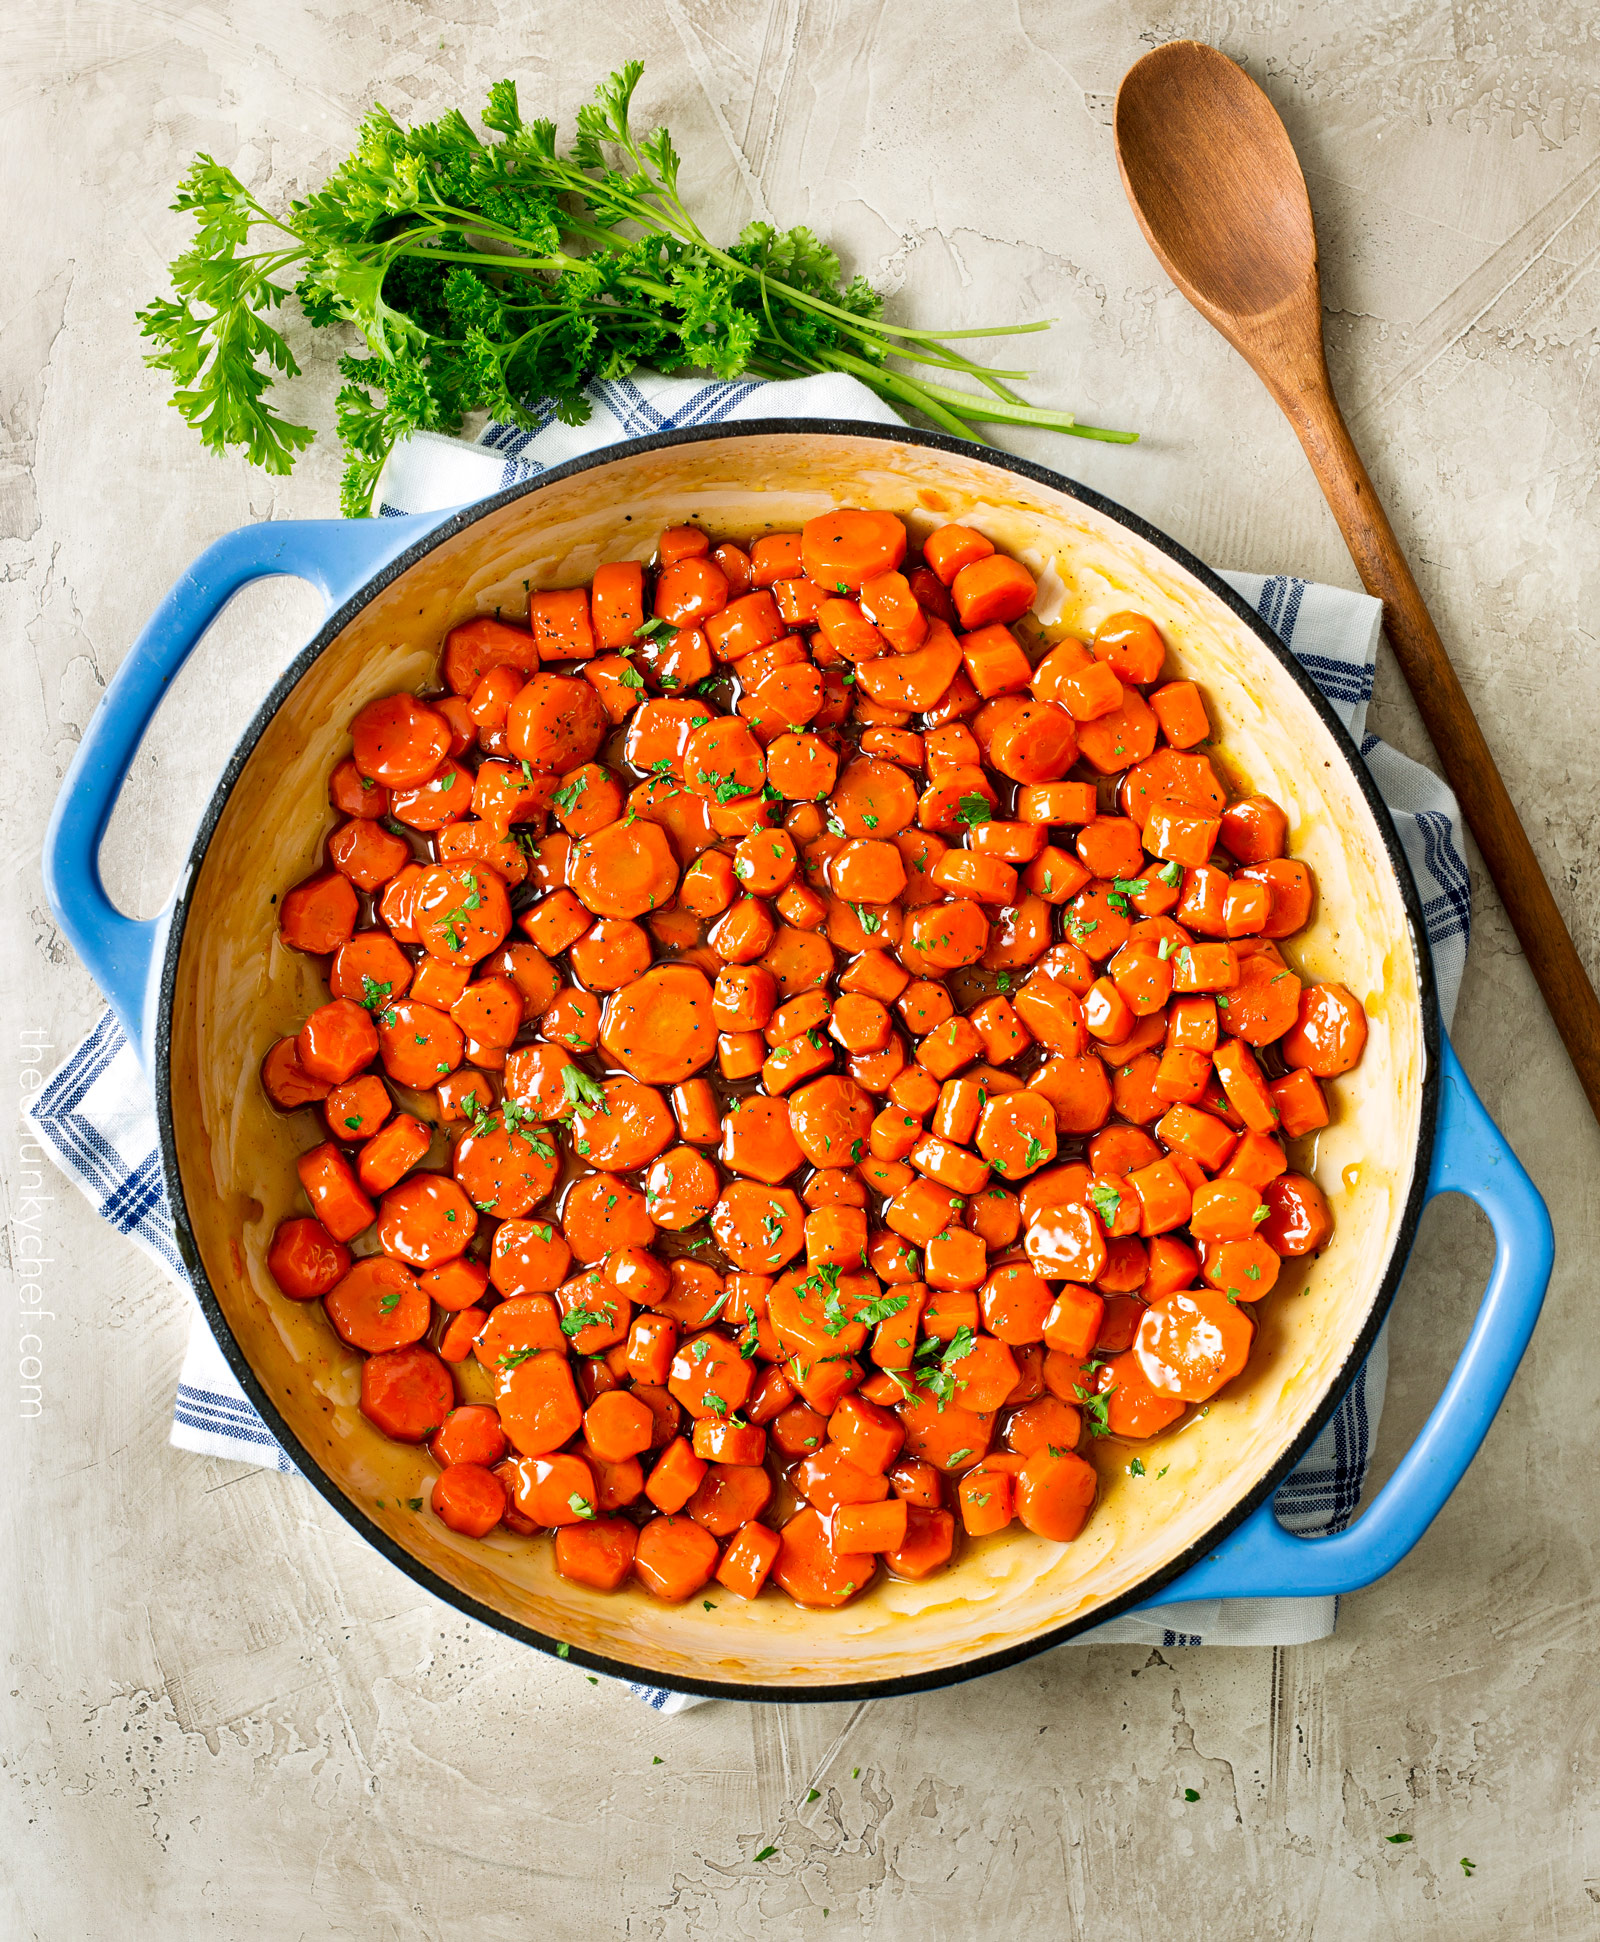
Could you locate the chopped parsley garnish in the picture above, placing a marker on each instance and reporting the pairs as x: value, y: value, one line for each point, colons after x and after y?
x: 1094, y: 1407
x: 973, y: 810
x: 584, y: 1095
x: 881, y: 1309
x: 1106, y: 1200
x: 567, y: 798
x: 574, y: 1323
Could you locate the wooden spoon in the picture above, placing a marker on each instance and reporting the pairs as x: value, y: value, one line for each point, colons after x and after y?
x: 1217, y: 189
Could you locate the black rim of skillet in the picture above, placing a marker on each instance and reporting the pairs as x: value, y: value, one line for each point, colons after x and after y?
x: 988, y: 1662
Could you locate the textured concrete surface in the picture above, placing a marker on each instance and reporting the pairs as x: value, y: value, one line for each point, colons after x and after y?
x: 223, y: 1716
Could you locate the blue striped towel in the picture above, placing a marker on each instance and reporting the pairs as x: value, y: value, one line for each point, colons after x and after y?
x: 96, y: 1117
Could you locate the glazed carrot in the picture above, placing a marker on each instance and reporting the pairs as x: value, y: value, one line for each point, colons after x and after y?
x: 370, y: 967
x: 336, y: 1200
x: 1192, y: 1342
x: 1181, y: 713
x: 368, y: 855
x: 1131, y: 643
x: 398, y: 741
x: 406, y: 1393
x: 616, y: 601
x: 915, y: 681
x: 286, y: 1082
x: 469, y: 1434
x: 469, y: 1499
x: 319, y: 914
x: 1078, y: 1091
x: 597, y: 1552
x: 1290, y: 887
x: 992, y: 590
x: 680, y: 1188
x: 775, y: 557
x: 355, y: 1110
x: 426, y: 1219
x: 538, y: 1403
x: 749, y: 1559
x: 1224, y: 1210
x: 1328, y: 1037
x: 1067, y: 1243
x: 354, y: 794
x: 1298, y: 1221
x: 392, y: 1152
x: 843, y: 549
x: 305, y: 1260
x: 455, y: 1285
x: 1055, y: 1493
x: 1254, y: 829
x: 812, y: 1571
x: 1045, y: 1423
x: 1300, y: 1103
x: 1243, y: 1270
x: 475, y: 647
x: 1198, y: 1134
x: 1246, y: 1089
x: 730, y: 1494
x: 617, y: 1426
x: 747, y: 623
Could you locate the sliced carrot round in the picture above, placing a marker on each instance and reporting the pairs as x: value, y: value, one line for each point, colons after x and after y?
x: 426, y: 1219
x: 759, y: 1228
x: 811, y: 1571
x: 841, y: 549
x: 872, y: 798
x: 660, y: 1027
x: 556, y: 723
x: 674, y: 1558
x: 1192, y: 1342
x: 378, y: 1305
x: 398, y: 741
x: 407, y: 1393
x: 621, y: 1125
x: 504, y: 1170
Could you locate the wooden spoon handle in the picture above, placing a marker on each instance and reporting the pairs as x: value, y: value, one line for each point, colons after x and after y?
x: 1468, y: 764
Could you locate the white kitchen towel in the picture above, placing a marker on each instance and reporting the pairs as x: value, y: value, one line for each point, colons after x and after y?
x: 96, y: 1117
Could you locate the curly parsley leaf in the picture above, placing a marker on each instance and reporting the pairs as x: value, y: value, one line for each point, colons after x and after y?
x: 485, y: 273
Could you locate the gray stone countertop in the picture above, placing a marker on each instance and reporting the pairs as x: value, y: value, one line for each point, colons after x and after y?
x: 223, y: 1715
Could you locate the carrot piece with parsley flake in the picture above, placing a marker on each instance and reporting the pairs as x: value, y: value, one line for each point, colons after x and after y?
x: 810, y: 1569
x: 1243, y: 1270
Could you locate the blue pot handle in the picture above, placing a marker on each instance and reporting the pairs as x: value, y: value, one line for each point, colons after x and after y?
x: 1261, y: 1559
x: 337, y: 556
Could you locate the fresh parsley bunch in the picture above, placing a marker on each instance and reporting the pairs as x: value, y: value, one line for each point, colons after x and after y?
x: 486, y: 275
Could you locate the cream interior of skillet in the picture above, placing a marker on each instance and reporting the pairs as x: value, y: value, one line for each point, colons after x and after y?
x: 239, y: 989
